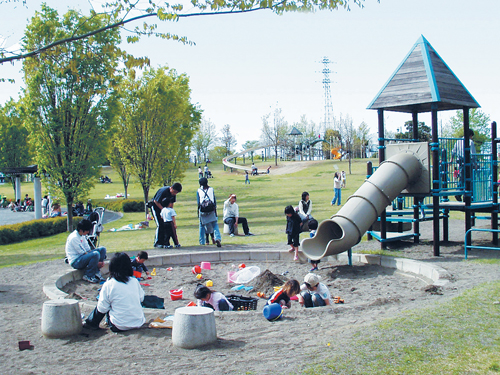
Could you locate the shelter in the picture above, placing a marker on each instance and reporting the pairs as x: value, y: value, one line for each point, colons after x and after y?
x: 423, y: 82
x: 37, y: 185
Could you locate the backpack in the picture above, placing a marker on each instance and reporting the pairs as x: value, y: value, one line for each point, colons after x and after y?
x: 206, y: 204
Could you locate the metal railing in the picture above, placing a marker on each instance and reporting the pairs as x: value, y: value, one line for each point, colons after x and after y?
x: 467, y: 235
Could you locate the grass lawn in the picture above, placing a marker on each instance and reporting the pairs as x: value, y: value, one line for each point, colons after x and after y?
x: 262, y: 203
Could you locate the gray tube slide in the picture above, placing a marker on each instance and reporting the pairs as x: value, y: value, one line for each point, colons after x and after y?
x: 345, y: 229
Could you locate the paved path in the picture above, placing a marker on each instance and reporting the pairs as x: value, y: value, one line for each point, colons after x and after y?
x: 9, y: 217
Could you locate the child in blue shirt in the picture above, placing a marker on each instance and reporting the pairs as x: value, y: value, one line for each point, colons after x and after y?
x: 168, y: 215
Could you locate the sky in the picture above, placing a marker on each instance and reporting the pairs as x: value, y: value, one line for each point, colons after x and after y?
x: 243, y: 66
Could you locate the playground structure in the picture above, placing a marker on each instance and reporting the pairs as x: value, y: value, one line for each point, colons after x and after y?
x: 407, y: 169
x: 421, y: 83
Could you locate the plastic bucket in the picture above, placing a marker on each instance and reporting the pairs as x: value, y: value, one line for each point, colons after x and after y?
x: 175, y: 294
x: 137, y: 274
x: 272, y: 312
x: 231, y: 277
x: 205, y: 265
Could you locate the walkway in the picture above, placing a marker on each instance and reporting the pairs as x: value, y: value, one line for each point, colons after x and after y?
x: 9, y: 217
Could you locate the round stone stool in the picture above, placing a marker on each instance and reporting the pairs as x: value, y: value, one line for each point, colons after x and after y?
x: 60, y: 318
x: 193, y: 327
x: 227, y: 231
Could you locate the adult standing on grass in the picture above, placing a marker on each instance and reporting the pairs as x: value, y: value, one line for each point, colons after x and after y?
x: 337, y: 184
x: 232, y: 216
x: 207, y: 210
x: 162, y: 198
x: 81, y: 256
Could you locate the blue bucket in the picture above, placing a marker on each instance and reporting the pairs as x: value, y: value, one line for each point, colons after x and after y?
x: 272, y: 312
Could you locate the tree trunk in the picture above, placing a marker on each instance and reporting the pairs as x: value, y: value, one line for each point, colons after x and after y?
x: 146, y: 195
x: 69, y: 205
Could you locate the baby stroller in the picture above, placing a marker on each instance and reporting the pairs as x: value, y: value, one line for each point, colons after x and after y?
x: 95, y: 217
x: 209, y: 174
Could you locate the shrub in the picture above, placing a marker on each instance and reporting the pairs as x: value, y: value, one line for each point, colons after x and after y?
x: 34, y: 229
x: 120, y: 205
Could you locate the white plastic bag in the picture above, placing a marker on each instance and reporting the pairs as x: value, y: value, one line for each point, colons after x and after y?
x: 247, y: 274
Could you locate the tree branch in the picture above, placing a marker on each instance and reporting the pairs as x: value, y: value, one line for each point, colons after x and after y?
x: 108, y: 27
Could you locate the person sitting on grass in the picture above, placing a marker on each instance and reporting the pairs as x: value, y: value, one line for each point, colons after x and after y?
x: 120, y: 298
x: 138, y: 262
x: 214, y: 300
x: 81, y: 257
x: 314, y: 293
x: 283, y: 295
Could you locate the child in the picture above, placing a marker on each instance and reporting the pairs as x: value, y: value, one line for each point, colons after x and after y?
x: 168, y: 215
x: 282, y: 296
x: 293, y: 226
x: 337, y: 184
x: 214, y: 300
x: 314, y: 293
x: 138, y: 262
x: 313, y: 226
x: 247, y: 180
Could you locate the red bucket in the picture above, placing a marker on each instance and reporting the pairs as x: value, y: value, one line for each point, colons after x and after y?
x: 175, y: 294
x: 137, y: 274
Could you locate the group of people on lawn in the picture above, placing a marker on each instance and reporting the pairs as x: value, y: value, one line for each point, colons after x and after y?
x: 126, y: 313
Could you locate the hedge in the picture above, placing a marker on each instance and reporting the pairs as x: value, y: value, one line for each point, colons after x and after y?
x: 120, y: 205
x: 34, y: 229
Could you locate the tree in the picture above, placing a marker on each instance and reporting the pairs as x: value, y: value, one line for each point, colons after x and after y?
x: 204, y: 140
x: 424, y: 132
x: 119, y: 163
x: 247, y: 145
x: 14, y: 150
x: 227, y: 138
x: 348, y: 133
x: 121, y: 12
x: 274, y: 134
x: 478, y: 121
x: 155, y: 110
x: 362, y: 138
x: 67, y: 99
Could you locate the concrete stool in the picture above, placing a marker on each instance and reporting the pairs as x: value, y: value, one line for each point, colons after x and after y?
x: 193, y: 327
x: 227, y: 231
x: 60, y: 318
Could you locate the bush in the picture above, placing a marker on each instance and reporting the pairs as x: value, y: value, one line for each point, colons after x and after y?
x: 120, y: 205
x: 34, y: 229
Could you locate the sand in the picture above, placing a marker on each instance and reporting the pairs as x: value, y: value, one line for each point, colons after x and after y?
x: 246, y: 341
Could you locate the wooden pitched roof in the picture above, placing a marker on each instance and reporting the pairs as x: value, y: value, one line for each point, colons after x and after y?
x: 422, y: 79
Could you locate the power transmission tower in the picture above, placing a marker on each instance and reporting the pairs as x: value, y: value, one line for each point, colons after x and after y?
x: 328, y: 96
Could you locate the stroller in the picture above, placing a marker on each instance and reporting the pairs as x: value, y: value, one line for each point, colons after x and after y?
x: 209, y: 174
x: 95, y: 217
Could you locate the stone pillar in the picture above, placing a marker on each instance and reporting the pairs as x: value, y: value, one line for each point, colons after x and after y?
x: 18, y: 187
x: 37, y: 197
x: 193, y: 327
x: 61, y: 318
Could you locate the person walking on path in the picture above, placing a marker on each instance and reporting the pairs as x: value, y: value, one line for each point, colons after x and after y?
x: 162, y: 198
x: 337, y: 184
x: 247, y: 179
x: 207, y: 211
x: 232, y: 216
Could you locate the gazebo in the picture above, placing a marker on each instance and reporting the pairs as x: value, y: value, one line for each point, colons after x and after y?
x: 423, y: 82
x: 37, y: 185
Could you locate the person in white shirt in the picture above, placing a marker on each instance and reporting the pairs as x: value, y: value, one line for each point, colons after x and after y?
x: 214, y: 300
x: 305, y: 207
x: 314, y: 293
x: 81, y: 257
x: 232, y: 216
x: 168, y: 215
x: 120, y: 298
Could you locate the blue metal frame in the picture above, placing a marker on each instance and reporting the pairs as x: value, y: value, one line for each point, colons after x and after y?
x: 479, y: 247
